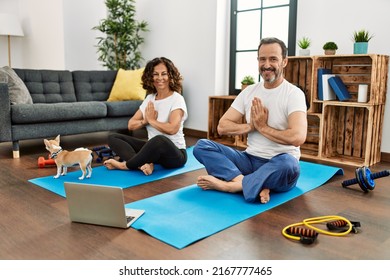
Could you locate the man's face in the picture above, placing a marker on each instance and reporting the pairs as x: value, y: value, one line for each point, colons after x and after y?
x: 271, y: 63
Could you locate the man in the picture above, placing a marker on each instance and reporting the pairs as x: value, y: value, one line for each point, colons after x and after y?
x: 276, y: 124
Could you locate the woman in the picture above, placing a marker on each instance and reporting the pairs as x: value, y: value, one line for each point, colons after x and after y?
x: 163, y: 112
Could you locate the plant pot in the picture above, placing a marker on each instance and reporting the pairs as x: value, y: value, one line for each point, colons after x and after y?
x: 360, y: 47
x: 304, y: 52
x: 243, y: 86
x: 330, y: 52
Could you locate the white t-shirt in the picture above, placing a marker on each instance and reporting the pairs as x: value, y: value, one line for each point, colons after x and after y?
x: 164, y: 107
x: 280, y: 102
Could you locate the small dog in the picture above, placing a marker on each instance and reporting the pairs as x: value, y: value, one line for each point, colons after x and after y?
x: 63, y: 158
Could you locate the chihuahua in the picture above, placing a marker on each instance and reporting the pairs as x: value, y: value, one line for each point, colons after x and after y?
x: 63, y: 158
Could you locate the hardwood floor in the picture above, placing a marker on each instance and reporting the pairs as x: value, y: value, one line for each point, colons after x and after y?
x: 34, y: 222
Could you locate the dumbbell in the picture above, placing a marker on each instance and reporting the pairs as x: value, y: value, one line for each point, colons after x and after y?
x: 42, y: 162
x: 103, y: 152
x: 365, y: 178
x: 98, y: 148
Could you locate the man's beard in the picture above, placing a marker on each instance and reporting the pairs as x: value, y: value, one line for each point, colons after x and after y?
x: 272, y: 78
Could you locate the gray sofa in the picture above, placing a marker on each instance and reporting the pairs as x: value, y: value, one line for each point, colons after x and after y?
x: 63, y: 102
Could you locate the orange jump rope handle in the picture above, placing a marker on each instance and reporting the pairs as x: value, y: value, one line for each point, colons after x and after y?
x: 42, y: 162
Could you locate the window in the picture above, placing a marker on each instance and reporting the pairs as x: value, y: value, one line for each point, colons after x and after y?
x: 252, y: 20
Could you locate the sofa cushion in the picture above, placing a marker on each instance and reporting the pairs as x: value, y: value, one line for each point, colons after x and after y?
x: 18, y: 92
x: 128, y: 86
x: 48, y: 86
x: 93, y: 85
x: 66, y: 111
x: 123, y: 108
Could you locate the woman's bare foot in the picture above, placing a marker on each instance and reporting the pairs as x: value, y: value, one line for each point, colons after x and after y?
x: 209, y: 182
x: 147, y: 168
x: 114, y: 164
x: 264, y: 196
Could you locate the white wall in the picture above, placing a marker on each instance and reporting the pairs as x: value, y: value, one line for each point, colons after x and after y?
x: 194, y: 34
x: 11, y: 7
x: 57, y: 34
x: 185, y: 32
x: 43, y: 43
x: 335, y: 20
x: 80, y: 39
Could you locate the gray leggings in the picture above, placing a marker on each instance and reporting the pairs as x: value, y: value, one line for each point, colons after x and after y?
x: 136, y: 152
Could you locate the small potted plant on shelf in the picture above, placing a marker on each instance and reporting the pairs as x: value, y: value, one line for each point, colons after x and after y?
x: 246, y: 81
x: 330, y: 48
x: 304, y: 43
x: 361, y: 39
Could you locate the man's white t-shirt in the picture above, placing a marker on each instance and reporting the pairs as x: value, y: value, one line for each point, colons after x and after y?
x: 280, y: 102
x: 164, y: 107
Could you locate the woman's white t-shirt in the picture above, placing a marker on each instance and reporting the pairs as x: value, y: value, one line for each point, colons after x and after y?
x: 164, y: 107
x: 280, y: 102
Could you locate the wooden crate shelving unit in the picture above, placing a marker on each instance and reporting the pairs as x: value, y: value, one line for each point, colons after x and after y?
x: 352, y: 134
x: 218, y: 105
x: 345, y: 132
x: 370, y: 69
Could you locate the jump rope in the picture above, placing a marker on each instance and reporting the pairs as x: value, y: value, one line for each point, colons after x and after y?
x: 336, y: 226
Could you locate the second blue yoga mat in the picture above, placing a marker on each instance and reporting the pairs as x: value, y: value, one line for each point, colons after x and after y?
x: 184, y: 216
x: 118, y: 178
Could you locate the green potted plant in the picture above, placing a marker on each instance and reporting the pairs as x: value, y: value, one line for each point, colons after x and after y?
x: 330, y: 48
x: 304, y: 43
x: 246, y: 81
x: 119, y: 48
x: 361, y: 39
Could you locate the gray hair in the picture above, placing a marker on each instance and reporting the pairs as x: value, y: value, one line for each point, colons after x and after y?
x: 273, y: 40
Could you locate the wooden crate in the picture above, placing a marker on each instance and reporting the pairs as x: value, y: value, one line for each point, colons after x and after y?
x: 311, y: 147
x: 370, y: 69
x: 352, y: 134
x: 299, y: 71
x: 218, y: 105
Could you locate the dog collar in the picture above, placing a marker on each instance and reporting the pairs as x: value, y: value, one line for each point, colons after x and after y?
x: 55, y: 154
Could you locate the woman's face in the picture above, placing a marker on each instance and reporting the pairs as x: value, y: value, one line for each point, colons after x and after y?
x: 160, y: 77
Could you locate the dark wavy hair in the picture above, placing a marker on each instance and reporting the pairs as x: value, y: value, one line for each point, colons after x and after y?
x: 175, y: 78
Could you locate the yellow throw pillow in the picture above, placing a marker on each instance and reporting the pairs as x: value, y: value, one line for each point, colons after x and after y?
x: 128, y: 86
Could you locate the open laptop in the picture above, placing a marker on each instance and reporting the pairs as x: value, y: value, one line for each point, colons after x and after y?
x: 99, y: 205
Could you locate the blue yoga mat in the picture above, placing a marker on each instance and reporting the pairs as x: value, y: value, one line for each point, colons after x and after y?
x: 184, y: 216
x: 118, y: 178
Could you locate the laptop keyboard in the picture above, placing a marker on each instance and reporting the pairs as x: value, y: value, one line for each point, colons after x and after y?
x: 129, y: 218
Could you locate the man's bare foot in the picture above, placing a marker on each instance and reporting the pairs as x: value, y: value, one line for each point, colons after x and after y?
x: 209, y: 182
x: 264, y: 196
x: 114, y: 164
x: 147, y: 168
